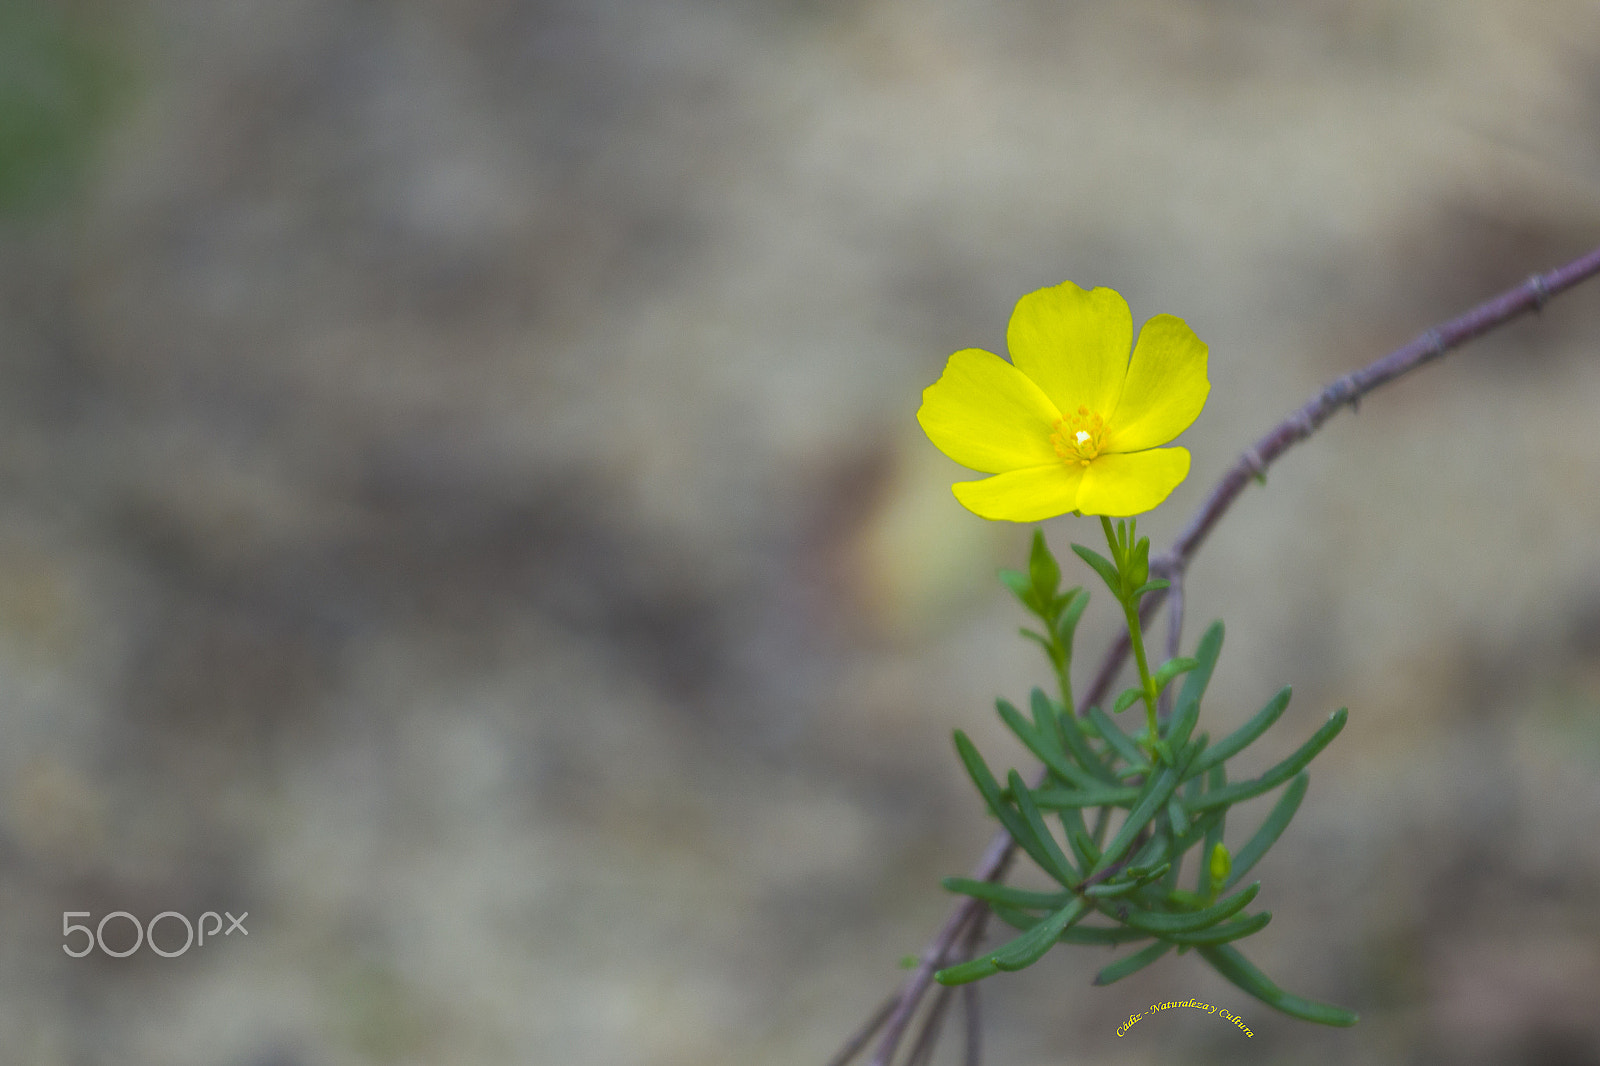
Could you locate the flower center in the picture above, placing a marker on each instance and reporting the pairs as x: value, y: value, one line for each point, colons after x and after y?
x: 1077, y: 437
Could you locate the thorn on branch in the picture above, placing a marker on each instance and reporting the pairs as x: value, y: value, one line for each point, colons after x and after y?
x: 1540, y: 290
x: 1255, y: 464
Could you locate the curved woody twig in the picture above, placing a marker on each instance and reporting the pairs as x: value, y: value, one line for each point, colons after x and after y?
x: 1432, y: 343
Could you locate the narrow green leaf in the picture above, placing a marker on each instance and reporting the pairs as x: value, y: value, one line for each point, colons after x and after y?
x: 1059, y: 867
x: 1217, y: 777
x: 1060, y: 799
x: 1206, y: 654
x: 1243, y: 790
x: 1119, y: 741
x: 1110, y: 889
x: 1156, y: 850
x: 1156, y: 791
x: 1238, y: 969
x: 1077, y: 743
x: 1162, y: 923
x: 1039, y: 639
x: 1072, y: 823
x: 1016, y: 917
x: 1132, y: 964
x: 1072, y: 934
x: 1102, y: 566
x: 967, y: 972
x: 1024, y: 951
x: 1072, y: 605
x: 1151, y: 586
x: 1084, y: 846
x: 1141, y: 869
x: 1237, y: 929
x: 1044, y: 720
x: 1171, y: 669
x: 1240, y: 738
x: 1127, y: 698
x: 1014, y: 823
x: 1030, y: 947
x: 990, y: 892
x: 1271, y: 829
x: 1177, y: 816
x: 1021, y: 586
x: 1048, y: 754
x: 1099, y: 934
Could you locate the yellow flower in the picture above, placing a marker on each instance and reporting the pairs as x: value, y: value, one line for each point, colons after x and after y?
x: 1073, y: 425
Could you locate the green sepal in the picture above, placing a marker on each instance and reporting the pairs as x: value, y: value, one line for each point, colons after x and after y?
x: 1043, y: 570
x: 1240, y: 738
x: 1058, y: 865
x: 1138, y: 562
x: 1102, y: 566
x: 1127, y: 698
x: 1243, y: 790
x: 1119, y: 741
x: 990, y: 892
x: 1272, y: 827
x: 1132, y: 964
x: 1162, y: 923
x: 1243, y: 973
x: 1072, y: 733
x: 1171, y: 669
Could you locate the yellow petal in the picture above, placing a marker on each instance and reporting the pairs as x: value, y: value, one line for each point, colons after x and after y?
x: 984, y: 413
x: 1121, y: 485
x: 1074, y: 345
x: 1166, y: 387
x: 1030, y: 495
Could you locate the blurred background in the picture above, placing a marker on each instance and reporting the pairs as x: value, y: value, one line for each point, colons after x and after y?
x: 463, y: 507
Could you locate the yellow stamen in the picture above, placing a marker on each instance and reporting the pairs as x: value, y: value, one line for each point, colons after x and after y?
x: 1078, y: 437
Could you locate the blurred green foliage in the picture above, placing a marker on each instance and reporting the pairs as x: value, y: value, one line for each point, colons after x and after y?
x: 59, y: 76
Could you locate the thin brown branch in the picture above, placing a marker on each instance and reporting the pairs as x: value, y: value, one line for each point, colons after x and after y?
x: 858, y: 1039
x: 922, y: 1049
x: 1432, y: 343
x: 974, y: 1020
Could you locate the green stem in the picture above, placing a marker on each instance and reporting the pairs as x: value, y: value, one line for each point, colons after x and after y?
x: 1130, y: 609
